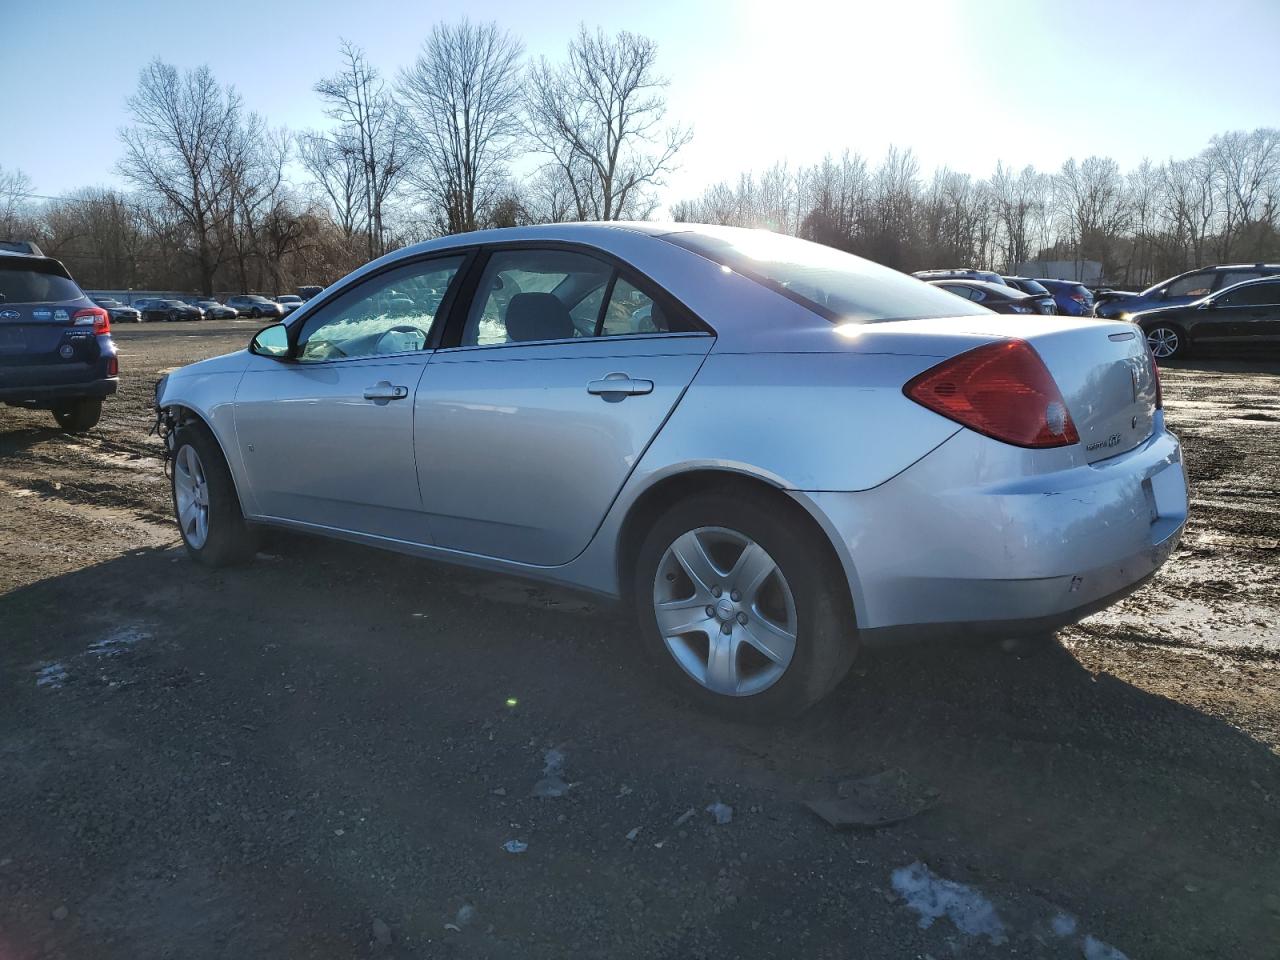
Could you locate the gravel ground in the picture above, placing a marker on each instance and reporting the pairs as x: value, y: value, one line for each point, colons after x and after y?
x: 323, y: 754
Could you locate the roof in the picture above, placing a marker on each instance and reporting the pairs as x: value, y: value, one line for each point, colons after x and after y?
x: 983, y: 285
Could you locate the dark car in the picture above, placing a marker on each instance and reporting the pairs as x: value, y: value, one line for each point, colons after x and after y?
x: 1036, y: 289
x: 213, y: 310
x: 21, y: 246
x: 999, y: 297
x: 1247, y: 314
x: 117, y: 311
x: 1184, y: 288
x: 56, y: 351
x: 252, y: 305
x: 171, y: 310
x: 1072, y: 298
x: 308, y: 291
x: 960, y: 273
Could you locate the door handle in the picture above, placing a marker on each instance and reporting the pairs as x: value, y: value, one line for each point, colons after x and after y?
x: 619, y: 386
x: 384, y: 390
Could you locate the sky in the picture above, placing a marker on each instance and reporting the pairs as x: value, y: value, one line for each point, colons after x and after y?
x: 963, y: 84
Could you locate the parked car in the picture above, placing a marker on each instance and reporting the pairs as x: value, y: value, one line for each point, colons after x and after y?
x: 960, y: 273
x: 21, y: 246
x: 171, y: 310
x: 141, y: 303
x: 117, y: 311
x: 998, y: 297
x: 647, y: 413
x: 1246, y: 314
x: 1071, y: 298
x: 309, y: 291
x: 1185, y: 288
x: 289, y: 301
x: 252, y: 305
x: 56, y: 351
x: 213, y: 310
x: 1027, y: 285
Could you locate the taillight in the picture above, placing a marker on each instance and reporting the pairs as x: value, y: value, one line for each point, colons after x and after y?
x: 1155, y: 372
x: 113, y: 367
x: 1002, y: 390
x: 99, y: 318
x: 1078, y: 297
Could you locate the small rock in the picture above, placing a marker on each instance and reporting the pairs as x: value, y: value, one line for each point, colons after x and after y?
x: 722, y: 813
x: 515, y: 846
x: 381, y: 932
x: 500, y: 792
x: 339, y: 832
x: 633, y: 833
x: 685, y: 817
x: 60, y: 913
x: 466, y: 914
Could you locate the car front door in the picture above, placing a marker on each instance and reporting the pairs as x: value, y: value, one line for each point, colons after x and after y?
x: 326, y: 436
x: 1250, y: 313
x: 558, y: 376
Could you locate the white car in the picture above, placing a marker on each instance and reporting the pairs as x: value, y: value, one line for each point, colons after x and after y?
x: 770, y: 449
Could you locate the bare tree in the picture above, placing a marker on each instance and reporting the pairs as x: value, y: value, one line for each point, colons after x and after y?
x: 599, y: 117
x: 15, y: 190
x: 462, y: 96
x: 334, y: 165
x: 372, y: 123
x: 174, y: 151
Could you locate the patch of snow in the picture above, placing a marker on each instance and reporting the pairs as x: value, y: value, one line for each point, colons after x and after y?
x: 1094, y: 949
x: 1064, y: 925
x: 932, y: 897
x: 118, y: 641
x: 51, y: 675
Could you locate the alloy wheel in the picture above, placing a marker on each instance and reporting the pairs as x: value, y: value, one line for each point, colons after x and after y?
x: 1164, y: 342
x: 726, y: 613
x: 191, y: 493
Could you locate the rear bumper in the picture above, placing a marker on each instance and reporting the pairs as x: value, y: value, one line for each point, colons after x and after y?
x: 34, y: 395
x: 953, y: 543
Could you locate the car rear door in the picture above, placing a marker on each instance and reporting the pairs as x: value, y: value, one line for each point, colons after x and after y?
x: 560, y: 373
x: 326, y: 438
x: 41, y: 345
x: 1250, y: 313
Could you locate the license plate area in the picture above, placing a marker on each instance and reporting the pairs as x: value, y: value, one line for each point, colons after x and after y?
x: 13, y: 340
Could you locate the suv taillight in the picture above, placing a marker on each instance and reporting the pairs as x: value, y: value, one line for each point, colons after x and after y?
x: 99, y: 318
x: 1002, y: 390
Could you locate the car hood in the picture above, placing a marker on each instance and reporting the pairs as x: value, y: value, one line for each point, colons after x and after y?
x: 227, y: 363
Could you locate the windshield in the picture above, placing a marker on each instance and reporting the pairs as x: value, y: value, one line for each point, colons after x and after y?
x: 835, y: 285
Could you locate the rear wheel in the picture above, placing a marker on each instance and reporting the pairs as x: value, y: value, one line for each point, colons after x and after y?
x: 255, y: 313
x: 77, y: 416
x: 205, y: 501
x: 740, y: 607
x: 1166, y: 342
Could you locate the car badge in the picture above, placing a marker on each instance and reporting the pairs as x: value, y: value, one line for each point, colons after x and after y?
x: 67, y: 351
x: 9, y: 315
x: 60, y: 315
x: 42, y: 314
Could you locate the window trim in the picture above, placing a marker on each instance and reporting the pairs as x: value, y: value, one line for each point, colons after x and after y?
x: 298, y: 320
x: 451, y: 338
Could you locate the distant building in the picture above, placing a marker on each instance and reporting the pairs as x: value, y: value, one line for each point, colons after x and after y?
x: 1088, y: 272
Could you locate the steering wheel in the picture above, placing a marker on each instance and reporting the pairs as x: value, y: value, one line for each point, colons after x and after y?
x: 401, y: 328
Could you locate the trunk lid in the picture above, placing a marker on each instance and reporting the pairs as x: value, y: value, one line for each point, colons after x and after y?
x: 1102, y: 368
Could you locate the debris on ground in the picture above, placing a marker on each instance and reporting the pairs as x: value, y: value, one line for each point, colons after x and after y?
x: 552, y: 783
x: 466, y: 914
x: 721, y: 812
x: 932, y: 897
x: 686, y: 817
x: 876, y: 801
x: 381, y: 932
x: 59, y: 912
x: 633, y: 833
x: 515, y: 846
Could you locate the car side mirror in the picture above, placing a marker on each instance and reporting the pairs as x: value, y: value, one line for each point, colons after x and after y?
x: 272, y: 341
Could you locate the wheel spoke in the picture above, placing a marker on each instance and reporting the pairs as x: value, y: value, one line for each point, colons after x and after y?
x: 187, y: 515
x: 722, y: 662
x: 750, y: 571
x: 774, y: 641
x: 684, y: 616
x: 690, y: 553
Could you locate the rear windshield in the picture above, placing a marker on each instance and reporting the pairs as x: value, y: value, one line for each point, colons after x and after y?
x: 835, y: 285
x: 1030, y: 286
x: 35, y: 286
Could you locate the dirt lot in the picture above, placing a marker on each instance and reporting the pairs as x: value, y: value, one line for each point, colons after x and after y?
x: 323, y: 754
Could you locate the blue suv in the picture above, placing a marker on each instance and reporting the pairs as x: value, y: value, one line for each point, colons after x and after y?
x: 1182, y: 289
x: 56, y: 351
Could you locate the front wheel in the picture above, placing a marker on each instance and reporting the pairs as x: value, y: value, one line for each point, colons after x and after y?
x: 742, y: 606
x: 77, y: 416
x: 1166, y: 342
x: 205, y: 502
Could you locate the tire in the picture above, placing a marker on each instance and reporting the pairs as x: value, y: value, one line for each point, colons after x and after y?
x: 77, y: 416
x: 255, y: 314
x: 213, y: 528
x: 1167, y: 342
x: 804, y: 596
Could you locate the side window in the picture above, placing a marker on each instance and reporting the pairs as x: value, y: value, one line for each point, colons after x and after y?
x: 959, y: 291
x: 390, y: 313
x: 530, y: 295
x: 631, y: 310
x: 1236, y: 276
x: 1254, y: 295
x: 1196, y: 285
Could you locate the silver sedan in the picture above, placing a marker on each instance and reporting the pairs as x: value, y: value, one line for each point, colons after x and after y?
x: 772, y: 451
